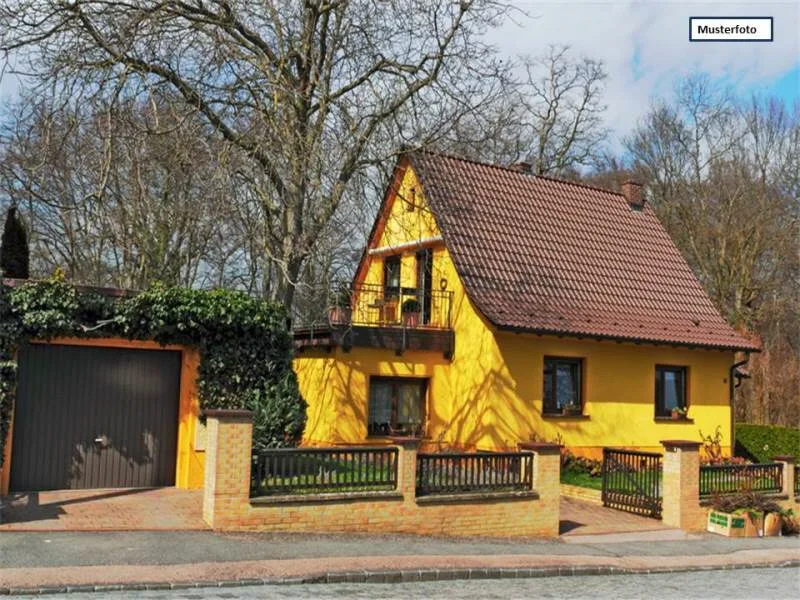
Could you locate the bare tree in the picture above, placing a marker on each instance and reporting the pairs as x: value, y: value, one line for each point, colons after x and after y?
x: 722, y: 175
x: 551, y: 116
x: 110, y: 202
x: 302, y: 90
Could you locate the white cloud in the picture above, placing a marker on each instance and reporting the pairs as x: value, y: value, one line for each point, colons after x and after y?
x: 656, y: 32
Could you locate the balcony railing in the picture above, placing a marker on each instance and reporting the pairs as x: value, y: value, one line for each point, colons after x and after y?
x: 374, y: 305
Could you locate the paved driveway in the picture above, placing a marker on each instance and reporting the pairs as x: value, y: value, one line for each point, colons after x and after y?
x: 585, y: 518
x: 103, y: 510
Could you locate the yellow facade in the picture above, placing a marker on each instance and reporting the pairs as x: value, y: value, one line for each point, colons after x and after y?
x: 489, y: 395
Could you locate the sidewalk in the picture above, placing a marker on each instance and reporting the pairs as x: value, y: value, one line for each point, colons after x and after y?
x: 138, y: 560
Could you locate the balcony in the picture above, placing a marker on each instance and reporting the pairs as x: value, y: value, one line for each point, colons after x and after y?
x: 370, y: 315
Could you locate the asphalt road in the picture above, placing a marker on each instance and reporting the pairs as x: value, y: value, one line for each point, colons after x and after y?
x: 766, y: 584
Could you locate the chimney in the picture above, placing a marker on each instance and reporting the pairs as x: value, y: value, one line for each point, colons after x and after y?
x: 632, y: 190
x: 522, y: 167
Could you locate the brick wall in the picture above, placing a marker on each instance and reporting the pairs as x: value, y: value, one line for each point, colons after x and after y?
x: 228, y: 507
x: 682, y: 507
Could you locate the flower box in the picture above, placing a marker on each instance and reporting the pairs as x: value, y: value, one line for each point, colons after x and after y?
x: 735, y: 524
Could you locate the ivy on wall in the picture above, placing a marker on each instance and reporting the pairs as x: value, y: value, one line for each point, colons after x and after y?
x: 245, y: 348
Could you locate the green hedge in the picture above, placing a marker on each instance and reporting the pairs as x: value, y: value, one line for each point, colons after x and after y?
x: 761, y: 442
x: 244, y: 345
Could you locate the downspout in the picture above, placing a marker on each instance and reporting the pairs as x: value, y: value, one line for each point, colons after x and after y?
x: 732, y: 387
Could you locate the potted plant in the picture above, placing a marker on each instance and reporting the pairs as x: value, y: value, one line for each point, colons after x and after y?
x: 571, y: 409
x: 411, y: 310
x: 774, y: 521
x: 341, y: 311
x: 679, y: 412
x: 741, y: 515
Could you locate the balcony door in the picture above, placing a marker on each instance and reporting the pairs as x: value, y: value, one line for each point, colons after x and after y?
x: 424, y: 283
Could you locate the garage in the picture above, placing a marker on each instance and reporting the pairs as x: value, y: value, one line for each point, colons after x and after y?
x: 94, y: 417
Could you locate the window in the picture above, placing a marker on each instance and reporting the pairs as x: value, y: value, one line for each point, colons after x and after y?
x: 562, y: 386
x: 391, y: 277
x: 670, y: 389
x: 396, y: 406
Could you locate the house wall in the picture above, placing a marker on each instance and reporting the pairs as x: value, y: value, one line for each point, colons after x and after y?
x: 489, y: 396
x: 190, y: 462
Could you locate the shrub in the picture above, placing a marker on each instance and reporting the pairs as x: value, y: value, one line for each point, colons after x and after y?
x: 244, y: 346
x: 746, y: 502
x: 761, y: 442
x: 580, y: 464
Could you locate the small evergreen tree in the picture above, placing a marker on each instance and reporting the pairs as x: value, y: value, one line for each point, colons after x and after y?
x: 14, y: 253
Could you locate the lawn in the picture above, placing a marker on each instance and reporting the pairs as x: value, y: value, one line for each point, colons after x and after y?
x: 581, y: 479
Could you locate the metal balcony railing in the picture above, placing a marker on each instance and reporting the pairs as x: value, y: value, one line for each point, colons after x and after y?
x: 372, y: 305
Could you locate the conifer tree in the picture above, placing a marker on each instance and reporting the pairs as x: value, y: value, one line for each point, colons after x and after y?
x: 14, y: 253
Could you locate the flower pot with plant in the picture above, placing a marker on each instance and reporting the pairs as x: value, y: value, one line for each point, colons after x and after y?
x: 741, y: 515
x: 341, y: 312
x: 571, y: 409
x: 411, y: 310
x: 679, y: 412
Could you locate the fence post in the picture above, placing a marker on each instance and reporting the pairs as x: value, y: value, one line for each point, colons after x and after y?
x: 788, y: 463
x: 680, y: 488
x: 407, y: 450
x: 547, y: 481
x: 229, y: 440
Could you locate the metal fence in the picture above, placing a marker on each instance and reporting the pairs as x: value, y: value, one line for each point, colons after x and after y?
x: 310, y: 470
x: 473, y: 472
x: 632, y: 481
x: 730, y: 479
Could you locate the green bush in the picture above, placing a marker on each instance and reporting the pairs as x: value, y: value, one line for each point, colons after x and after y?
x: 760, y: 443
x: 244, y: 345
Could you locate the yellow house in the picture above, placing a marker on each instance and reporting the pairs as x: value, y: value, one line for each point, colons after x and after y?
x: 493, y: 307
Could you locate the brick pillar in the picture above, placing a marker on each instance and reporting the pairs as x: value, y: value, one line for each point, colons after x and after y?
x: 547, y: 481
x: 788, y: 463
x: 229, y: 441
x: 681, y: 486
x: 407, y: 467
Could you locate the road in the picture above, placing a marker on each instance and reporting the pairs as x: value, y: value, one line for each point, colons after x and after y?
x: 762, y: 584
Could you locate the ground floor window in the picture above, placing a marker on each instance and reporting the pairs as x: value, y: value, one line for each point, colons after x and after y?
x: 670, y: 390
x: 562, y: 386
x: 396, y: 406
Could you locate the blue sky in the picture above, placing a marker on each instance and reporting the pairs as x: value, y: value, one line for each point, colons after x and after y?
x: 646, y: 49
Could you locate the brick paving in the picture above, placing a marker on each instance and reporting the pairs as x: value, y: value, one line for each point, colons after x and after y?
x: 586, y: 518
x: 103, y: 510
x: 175, y: 509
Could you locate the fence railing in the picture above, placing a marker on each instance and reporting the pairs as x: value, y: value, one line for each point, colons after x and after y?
x: 448, y: 473
x: 730, y: 479
x: 632, y: 481
x: 310, y: 470
x: 375, y: 305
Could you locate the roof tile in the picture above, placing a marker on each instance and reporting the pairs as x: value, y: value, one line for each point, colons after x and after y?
x: 549, y: 256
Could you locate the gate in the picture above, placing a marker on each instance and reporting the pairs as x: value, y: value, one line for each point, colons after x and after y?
x: 632, y: 481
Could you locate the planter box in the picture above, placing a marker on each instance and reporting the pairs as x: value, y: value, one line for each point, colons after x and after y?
x: 734, y: 525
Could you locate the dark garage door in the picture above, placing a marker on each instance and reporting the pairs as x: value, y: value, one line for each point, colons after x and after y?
x: 94, y: 417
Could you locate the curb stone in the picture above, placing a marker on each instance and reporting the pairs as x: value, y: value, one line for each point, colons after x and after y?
x: 407, y: 575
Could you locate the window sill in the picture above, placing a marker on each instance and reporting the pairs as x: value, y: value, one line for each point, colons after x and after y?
x: 678, y: 420
x: 556, y: 417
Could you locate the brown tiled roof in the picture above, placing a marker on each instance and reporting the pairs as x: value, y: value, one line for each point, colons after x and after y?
x: 547, y: 256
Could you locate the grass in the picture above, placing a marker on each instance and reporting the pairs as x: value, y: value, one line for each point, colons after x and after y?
x: 581, y: 479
